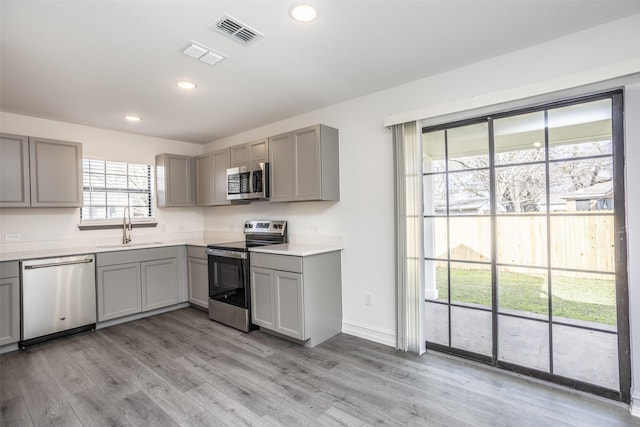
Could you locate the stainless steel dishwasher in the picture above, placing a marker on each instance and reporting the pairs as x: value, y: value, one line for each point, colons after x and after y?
x: 58, y: 297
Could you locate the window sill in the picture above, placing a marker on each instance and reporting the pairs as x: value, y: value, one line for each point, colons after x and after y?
x: 97, y: 225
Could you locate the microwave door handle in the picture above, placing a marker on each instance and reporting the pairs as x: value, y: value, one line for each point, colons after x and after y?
x: 254, y: 181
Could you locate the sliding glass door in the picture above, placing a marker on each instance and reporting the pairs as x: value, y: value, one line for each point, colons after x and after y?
x: 524, y: 216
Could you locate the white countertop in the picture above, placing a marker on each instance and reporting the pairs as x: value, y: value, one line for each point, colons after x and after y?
x: 62, y: 251
x: 297, y: 249
x: 304, y: 247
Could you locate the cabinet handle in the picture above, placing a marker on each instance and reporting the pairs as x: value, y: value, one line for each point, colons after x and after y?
x: 57, y: 264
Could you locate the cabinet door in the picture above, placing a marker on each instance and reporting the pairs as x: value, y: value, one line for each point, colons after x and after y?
x: 174, y: 176
x: 56, y: 173
x: 14, y: 171
x: 289, y: 296
x: 307, y: 177
x: 198, y: 282
x: 281, y: 167
x: 258, y: 151
x: 239, y: 155
x: 159, y: 283
x: 119, y: 291
x: 9, y: 310
x: 220, y: 166
x: 204, y: 179
x: 262, y: 298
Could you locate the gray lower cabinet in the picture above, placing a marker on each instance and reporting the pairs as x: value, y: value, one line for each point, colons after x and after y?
x: 175, y: 177
x: 135, y: 281
x: 297, y: 297
x: 9, y: 302
x: 42, y: 173
x: 159, y: 283
x: 119, y: 291
x: 198, y: 269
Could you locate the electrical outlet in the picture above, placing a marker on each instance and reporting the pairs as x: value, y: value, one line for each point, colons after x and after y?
x: 11, y: 236
x: 368, y: 300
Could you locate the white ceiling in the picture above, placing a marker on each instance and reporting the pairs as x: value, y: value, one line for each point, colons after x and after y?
x: 91, y: 62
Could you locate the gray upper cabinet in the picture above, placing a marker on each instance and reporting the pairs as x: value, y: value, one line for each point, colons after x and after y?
x: 14, y: 171
x: 251, y: 152
x: 40, y: 172
x: 304, y: 165
x: 211, y: 178
x: 239, y: 155
x: 220, y: 166
x: 204, y: 179
x: 281, y: 167
x: 56, y: 173
x: 258, y: 150
x: 175, y: 180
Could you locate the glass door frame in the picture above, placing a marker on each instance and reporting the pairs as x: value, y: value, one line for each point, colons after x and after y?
x: 621, y: 276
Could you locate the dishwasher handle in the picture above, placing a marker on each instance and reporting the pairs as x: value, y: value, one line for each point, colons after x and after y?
x: 58, y: 264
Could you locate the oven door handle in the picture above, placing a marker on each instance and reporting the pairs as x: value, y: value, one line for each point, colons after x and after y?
x: 227, y: 254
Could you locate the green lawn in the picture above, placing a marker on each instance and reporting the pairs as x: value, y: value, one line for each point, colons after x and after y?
x: 574, y: 298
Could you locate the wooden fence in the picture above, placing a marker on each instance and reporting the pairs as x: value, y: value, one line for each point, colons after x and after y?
x: 579, y: 242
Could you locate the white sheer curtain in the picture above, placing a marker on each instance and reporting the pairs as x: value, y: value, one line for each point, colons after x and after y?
x: 407, y: 149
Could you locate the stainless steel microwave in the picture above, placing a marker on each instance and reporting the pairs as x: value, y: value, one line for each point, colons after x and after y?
x: 248, y: 182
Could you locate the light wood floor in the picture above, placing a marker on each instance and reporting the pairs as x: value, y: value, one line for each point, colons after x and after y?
x: 179, y: 368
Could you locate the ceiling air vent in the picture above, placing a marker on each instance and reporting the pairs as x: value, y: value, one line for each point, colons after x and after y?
x: 236, y: 30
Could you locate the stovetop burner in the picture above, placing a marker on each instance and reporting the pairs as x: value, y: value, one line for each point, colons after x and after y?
x: 257, y: 233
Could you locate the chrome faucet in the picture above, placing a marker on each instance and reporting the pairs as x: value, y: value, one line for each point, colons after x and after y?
x: 127, y: 226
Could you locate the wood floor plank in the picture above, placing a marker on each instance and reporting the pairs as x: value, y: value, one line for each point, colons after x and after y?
x: 43, y: 397
x: 223, y: 409
x: 334, y: 417
x: 153, y: 355
x: 14, y: 412
x: 180, y: 368
x: 158, y: 388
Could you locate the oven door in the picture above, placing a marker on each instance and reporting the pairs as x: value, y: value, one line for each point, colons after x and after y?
x: 229, y: 277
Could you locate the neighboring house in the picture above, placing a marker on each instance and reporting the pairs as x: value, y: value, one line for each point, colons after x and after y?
x: 594, y: 198
x: 470, y: 206
x: 556, y: 204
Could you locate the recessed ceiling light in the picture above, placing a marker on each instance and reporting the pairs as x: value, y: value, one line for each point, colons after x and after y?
x: 186, y: 84
x: 132, y: 118
x: 303, y: 13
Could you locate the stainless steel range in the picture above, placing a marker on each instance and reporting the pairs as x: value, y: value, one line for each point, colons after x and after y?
x: 229, y: 277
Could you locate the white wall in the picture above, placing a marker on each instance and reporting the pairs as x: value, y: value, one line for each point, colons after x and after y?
x: 57, y: 227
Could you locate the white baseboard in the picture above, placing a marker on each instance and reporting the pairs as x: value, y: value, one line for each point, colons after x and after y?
x: 379, y: 335
x: 634, y: 406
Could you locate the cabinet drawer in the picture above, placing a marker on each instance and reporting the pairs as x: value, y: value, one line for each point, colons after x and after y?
x: 135, y: 255
x: 197, y: 252
x: 9, y: 269
x: 277, y: 262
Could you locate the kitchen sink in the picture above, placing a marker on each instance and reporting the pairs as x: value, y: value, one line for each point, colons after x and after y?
x: 130, y: 245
